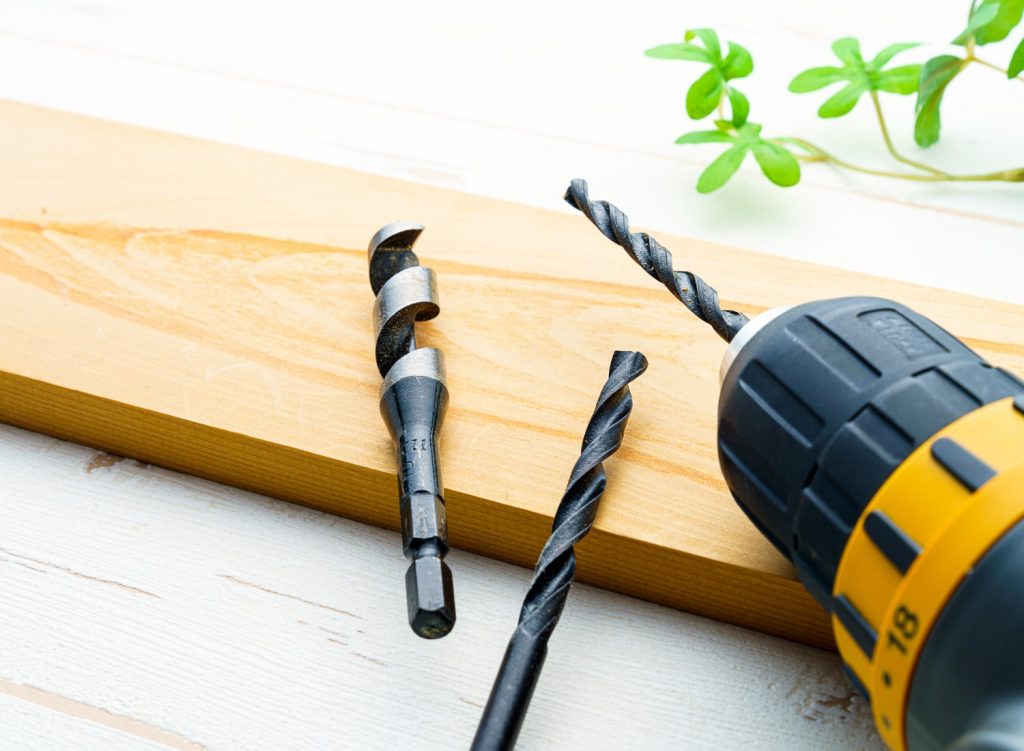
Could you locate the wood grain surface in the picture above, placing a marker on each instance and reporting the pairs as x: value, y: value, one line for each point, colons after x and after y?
x: 207, y: 308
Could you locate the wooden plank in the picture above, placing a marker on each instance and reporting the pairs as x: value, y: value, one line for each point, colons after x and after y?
x: 207, y: 308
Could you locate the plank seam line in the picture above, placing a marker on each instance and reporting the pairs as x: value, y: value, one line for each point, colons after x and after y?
x: 79, y: 574
x: 261, y: 588
x: 98, y: 715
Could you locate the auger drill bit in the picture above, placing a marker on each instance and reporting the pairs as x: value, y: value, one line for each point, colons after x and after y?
x: 413, y: 399
x: 698, y: 296
x: 556, y: 567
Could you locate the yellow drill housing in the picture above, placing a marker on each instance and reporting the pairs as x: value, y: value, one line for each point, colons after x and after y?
x: 885, y: 459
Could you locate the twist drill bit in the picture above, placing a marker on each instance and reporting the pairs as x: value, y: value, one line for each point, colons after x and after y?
x: 698, y: 296
x: 556, y: 567
x: 413, y: 399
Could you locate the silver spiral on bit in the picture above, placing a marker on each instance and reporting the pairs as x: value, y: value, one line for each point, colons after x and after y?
x: 556, y: 566
x: 698, y: 296
x: 413, y: 400
x: 406, y: 292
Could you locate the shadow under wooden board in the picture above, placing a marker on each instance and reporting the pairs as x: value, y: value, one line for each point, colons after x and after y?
x: 207, y: 308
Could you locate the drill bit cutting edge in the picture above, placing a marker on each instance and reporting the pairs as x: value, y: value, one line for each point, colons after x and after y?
x: 698, y: 296
x: 413, y: 400
x: 556, y: 566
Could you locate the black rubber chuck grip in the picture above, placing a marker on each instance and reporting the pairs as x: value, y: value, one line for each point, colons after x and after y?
x: 822, y: 404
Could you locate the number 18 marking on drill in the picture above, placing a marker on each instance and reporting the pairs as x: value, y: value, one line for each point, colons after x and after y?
x: 905, y: 625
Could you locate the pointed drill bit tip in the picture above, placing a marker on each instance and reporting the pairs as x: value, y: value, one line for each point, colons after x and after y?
x: 631, y: 364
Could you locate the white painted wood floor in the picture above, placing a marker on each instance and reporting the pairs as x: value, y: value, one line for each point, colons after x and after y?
x: 145, y: 609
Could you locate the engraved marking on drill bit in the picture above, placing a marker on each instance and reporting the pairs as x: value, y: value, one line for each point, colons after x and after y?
x: 891, y: 540
x: 969, y: 470
x: 856, y: 625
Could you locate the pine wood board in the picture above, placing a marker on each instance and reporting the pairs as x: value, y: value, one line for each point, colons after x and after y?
x: 207, y: 308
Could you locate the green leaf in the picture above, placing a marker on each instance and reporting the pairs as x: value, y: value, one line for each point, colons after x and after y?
x: 706, y: 136
x: 813, y: 79
x: 847, y: 49
x: 777, y: 163
x: 992, y: 21
x: 739, y: 105
x: 738, y: 63
x: 710, y: 40
x: 842, y: 102
x: 719, y: 171
x: 980, y: 16
x: 679, y: 51
x: 935, y: 77
x: 887, y: 54
x: 703, y: 96
x: 859, y: 76
x: 1009, y: 15
x: 1016, y: 62
x: 901, y: 80
x: 749, y: 132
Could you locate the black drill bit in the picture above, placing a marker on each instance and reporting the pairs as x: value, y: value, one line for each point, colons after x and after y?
x: 556, y: 567
x: 413, y: 399
x: 698, y: 296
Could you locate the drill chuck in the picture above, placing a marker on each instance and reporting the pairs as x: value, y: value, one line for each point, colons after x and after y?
x: 885, y: 459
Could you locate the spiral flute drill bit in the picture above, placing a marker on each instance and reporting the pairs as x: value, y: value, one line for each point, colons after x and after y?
x: 556, y: 567
x: 698, y: 296
x: 413, y: 399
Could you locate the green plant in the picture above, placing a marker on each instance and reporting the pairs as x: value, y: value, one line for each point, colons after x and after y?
x: 779, y: 157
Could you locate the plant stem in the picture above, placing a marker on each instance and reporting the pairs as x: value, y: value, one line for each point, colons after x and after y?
x: 818, y: 154
x: 892, y: 148
x: 972, y: 59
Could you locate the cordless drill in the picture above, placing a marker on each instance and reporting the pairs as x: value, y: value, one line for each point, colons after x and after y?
x: 885, y: 459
